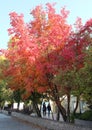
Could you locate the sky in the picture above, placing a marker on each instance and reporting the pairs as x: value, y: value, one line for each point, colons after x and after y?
x: 77, y: 8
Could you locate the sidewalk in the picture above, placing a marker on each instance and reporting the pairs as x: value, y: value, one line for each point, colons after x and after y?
x: 10, y: 123
x: 48, y: 124
x: 52, y: 116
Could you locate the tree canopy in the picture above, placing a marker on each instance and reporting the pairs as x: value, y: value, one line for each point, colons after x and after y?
x: 47, y: 55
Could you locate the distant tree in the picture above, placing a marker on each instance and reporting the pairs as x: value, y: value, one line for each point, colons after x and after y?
x: 5, y: 91
x: 88, y: 76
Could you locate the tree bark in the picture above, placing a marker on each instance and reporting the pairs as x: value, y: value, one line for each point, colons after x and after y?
x: 77, y: 102
x: 62, y: 110
x: 35, y: 104
x: 58, y: 115
x: 58, y: 102
x: 18, y: 105
x: 68, y: 108
x: 55, y: 95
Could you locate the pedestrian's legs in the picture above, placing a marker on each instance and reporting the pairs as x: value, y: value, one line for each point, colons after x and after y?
x: 44, y: 113
x: 48, y: 113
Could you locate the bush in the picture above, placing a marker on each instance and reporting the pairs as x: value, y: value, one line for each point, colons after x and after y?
x: 87, y: 115
x: 73, y: 116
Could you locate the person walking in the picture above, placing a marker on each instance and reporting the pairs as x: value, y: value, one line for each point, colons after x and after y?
x: 49, y: 109
x: 44, y: 109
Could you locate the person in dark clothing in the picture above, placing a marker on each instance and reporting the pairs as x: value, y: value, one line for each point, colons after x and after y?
x: 49, y: 109
x: 44, y: 109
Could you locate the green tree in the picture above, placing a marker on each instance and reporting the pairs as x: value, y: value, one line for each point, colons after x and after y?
x: 5, y: 91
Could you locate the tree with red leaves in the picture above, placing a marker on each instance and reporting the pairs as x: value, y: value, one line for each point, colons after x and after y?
x: 38, y: 50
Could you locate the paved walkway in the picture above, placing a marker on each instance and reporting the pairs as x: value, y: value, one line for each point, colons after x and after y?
x: 10, y: 123
x: 52, y: 116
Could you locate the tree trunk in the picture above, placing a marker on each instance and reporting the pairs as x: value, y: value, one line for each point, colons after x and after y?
x: 62, y: 110
x: 35, y: 105
x: 18, y: 105
x: 68, y: 108
x: 58, y: 102
x: 77, y: 102
x: 58, y: 115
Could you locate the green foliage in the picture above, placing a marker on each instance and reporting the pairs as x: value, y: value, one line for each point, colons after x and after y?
x: 36, y: 97
x: 5, y: 93
x: 72, y: 117
x: 17, y: 95
x: 64, y: 79
x: 87, y: 115
x: 88, y: 75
